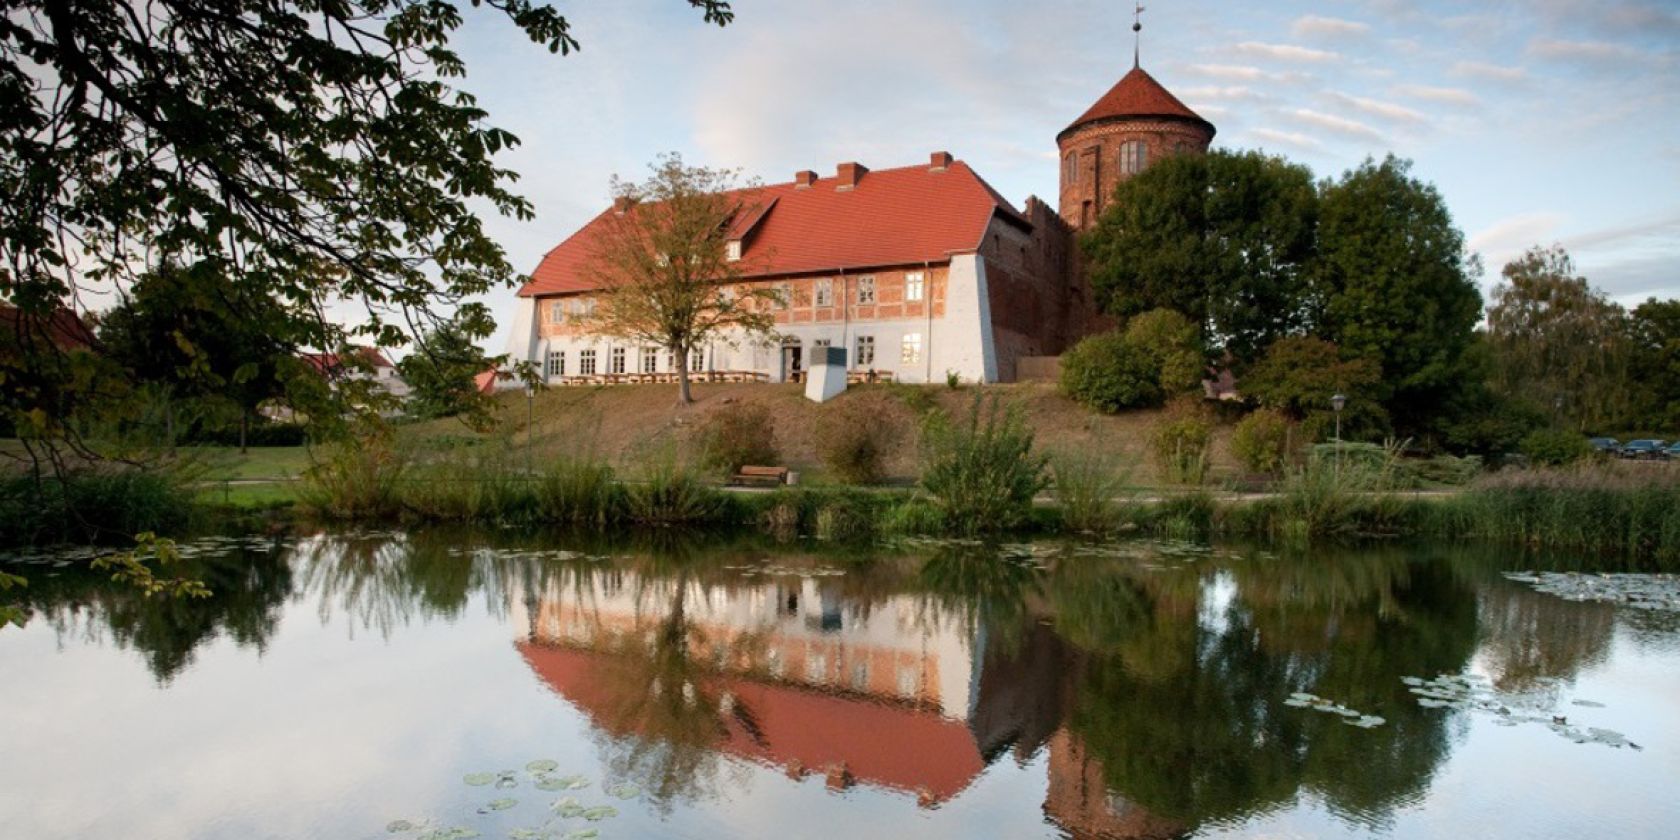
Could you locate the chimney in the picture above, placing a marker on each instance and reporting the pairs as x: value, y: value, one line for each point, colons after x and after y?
x: 939, y: 161
x: 849, y: 173
x: 621, y: 204
x: 804, y: 178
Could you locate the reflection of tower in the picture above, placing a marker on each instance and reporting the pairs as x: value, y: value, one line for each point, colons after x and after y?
x: 1078, y: 800
x: 1138, y: 121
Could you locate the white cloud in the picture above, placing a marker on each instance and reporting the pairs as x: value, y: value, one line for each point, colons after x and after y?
x: 1286, y: 52
x: 1227, y: 71
x: 1315, y: 26
x: 1229, y: 92
x: 1490, y: 72
x: 1287, y: 139
x: 1378, y: 108
x: 1442, y: 95
x: 1592, y: 52
x: 1501, y: 241
x: 1338, y: 125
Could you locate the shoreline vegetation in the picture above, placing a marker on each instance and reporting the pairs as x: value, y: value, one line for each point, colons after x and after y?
x: 981, y: 475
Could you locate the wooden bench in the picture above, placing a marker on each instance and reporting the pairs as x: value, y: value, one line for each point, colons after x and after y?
x: 761, y: 475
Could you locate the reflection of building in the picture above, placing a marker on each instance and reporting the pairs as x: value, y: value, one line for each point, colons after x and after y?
x: 879, y: 695
x: 1080, y: 802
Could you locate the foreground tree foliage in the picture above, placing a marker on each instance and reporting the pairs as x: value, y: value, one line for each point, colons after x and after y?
x: 441, y: 374
x: 1226, y: 238
x: 315, y: 153
x: 663, y: 269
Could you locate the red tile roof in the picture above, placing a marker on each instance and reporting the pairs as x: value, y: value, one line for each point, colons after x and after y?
x: 903, y: 216
x: 1138, y: 95
x: 326, y: 362
x: 64, y: 328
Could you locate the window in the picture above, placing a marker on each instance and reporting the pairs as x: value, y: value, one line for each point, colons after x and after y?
x: 784, y: 295
x: 696, y: 360
x: 556, y: 363
x: 1134, y: 156
x: 1070, y: 168
x: 866, y: 349
x: 913, y: 286
x: 822, y: 342
x: 908, y: 681
x: 825, y: 292
x: 866, y: 289
x: 860, y: 676
x: 912, y: 348
x: 556, y: 312
x: 732, y: 250
x: 650, y: 360
x: 586, y: 362
x: 616, y: 365
x: 670, y: 361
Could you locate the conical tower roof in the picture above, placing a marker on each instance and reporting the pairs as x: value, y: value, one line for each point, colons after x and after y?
x: 1135, y: 96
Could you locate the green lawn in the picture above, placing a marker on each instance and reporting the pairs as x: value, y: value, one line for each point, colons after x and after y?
x: 270, y: 462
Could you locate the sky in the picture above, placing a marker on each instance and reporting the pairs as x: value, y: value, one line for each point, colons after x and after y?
x: 1540, y: 121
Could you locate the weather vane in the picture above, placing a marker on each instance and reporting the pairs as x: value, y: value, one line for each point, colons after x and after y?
x: 1137, y: 33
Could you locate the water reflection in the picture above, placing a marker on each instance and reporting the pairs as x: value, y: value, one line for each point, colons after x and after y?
x: 1147, y: 680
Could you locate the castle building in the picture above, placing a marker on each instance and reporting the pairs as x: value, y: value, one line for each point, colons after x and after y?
x: 919, y: 272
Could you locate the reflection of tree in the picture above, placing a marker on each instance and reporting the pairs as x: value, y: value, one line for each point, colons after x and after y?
x: 1179, y: 698
x: 247, y: 590
x: 979, y: 588
x: 1530, y: 636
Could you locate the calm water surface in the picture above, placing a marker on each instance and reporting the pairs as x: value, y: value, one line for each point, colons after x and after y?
x: 338, y: 682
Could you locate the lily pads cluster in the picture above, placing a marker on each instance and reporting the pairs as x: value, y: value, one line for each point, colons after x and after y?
x: 1351, y: 717
x: 1476, y: 694
x: 1641, y: 591
x: 541, y: 775
x: 787, y: 571
x: 556, y: 555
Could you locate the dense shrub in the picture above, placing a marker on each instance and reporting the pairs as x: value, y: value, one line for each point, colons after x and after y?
x: 664, y: 491
x: 356, y: 481
x: 1263, y: 441
x: 97, y: 505
x: 578, y: 491
x: 1180, y: 441
x: 1108, y: 373
x: 1447, y: 469
x: 1174, y: 347
x: 1555, y: 447
x: 259, y: 434
x: 1298, y: 376
x: 854, y: 442
x: 981, y: 470
x: 738, y: 435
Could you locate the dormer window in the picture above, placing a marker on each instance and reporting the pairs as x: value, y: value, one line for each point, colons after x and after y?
x: 1134, y: 156
x: 732, y: 250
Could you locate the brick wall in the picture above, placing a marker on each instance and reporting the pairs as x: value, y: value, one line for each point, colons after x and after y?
x: 1089, y: 185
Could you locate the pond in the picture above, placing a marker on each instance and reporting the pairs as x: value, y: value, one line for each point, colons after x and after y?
x: 448, y: 683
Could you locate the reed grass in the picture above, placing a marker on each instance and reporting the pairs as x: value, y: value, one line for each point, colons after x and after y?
x: 102, y: 506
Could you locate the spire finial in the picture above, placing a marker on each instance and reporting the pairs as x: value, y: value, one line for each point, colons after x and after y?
x: 1137, y: 34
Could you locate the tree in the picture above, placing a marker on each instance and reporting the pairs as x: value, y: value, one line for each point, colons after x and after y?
x: 1396, y: 285
x: 1226, y: 238
x: 441, y: 373
x: 663, y: 268
x: 1173, y: 345
x: 1299, y: 375
x: 187, y: 330
x: 318, y: 152
x: 1654, y: 329
x: 1559, y: 342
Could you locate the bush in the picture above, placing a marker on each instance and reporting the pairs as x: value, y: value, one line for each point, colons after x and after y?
x: 1327, y: 495
x: 1298, y: 376
x: 578, y: 491
x: 1180, y: 442
x: 666, y: 492
x: 982, y: 472
x: 1086, y: 488
x: 736, y: 436
x: 105, y: 506
x: 854, y: 443
x: 1107, y: 372
x: 1447, y: 469
x: 1554, y: 447
x: 356, y: 481
x: 1174, y: 347
x: 1263, y: 441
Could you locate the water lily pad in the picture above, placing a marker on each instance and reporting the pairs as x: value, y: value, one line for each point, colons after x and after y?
x: 1588, y: 704
x: 529, y: 834
x: 600, y: 812
x: 567, y: 807
x: 582, y: 834
x: 502, y: 804
x: 625, y: 791
x: 573, y: 782
x: 398, y: 826
x: 542, y: 765
x: 479, y: 779
x: 551, y: 784
x: 1299, y: 704
x: 507, y: 779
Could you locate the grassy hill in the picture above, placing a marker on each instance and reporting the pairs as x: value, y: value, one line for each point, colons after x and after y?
x: 624, y: 423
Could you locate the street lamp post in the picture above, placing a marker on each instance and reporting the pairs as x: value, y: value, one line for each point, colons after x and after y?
x: 1338, y: 402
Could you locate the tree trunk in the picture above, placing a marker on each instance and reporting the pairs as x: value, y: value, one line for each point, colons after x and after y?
x: 244, y: 425
x: 683, y: 395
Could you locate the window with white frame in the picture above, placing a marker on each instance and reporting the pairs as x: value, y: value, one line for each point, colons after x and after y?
x: 825, y: 293
x: 914, y: 286
x: 556, y: 363
x: 1134, y: 156
x: 586, y: 362
x: 696, y: 360
x: 616, y: 363
x: 866, y: 350
x: 556, y: 312
x: 912, y: 351
x: 650, y: 360
x: 732, y: 250
x: 784, y: 295
x: 866, y: 289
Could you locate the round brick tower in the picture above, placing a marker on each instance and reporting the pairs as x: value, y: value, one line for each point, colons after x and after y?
x: 1133, y: 125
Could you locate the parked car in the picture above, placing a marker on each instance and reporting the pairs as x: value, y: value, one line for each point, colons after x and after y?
x: 1673, y: 450
x: 1605, y: 444
x: 1648, y: 448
